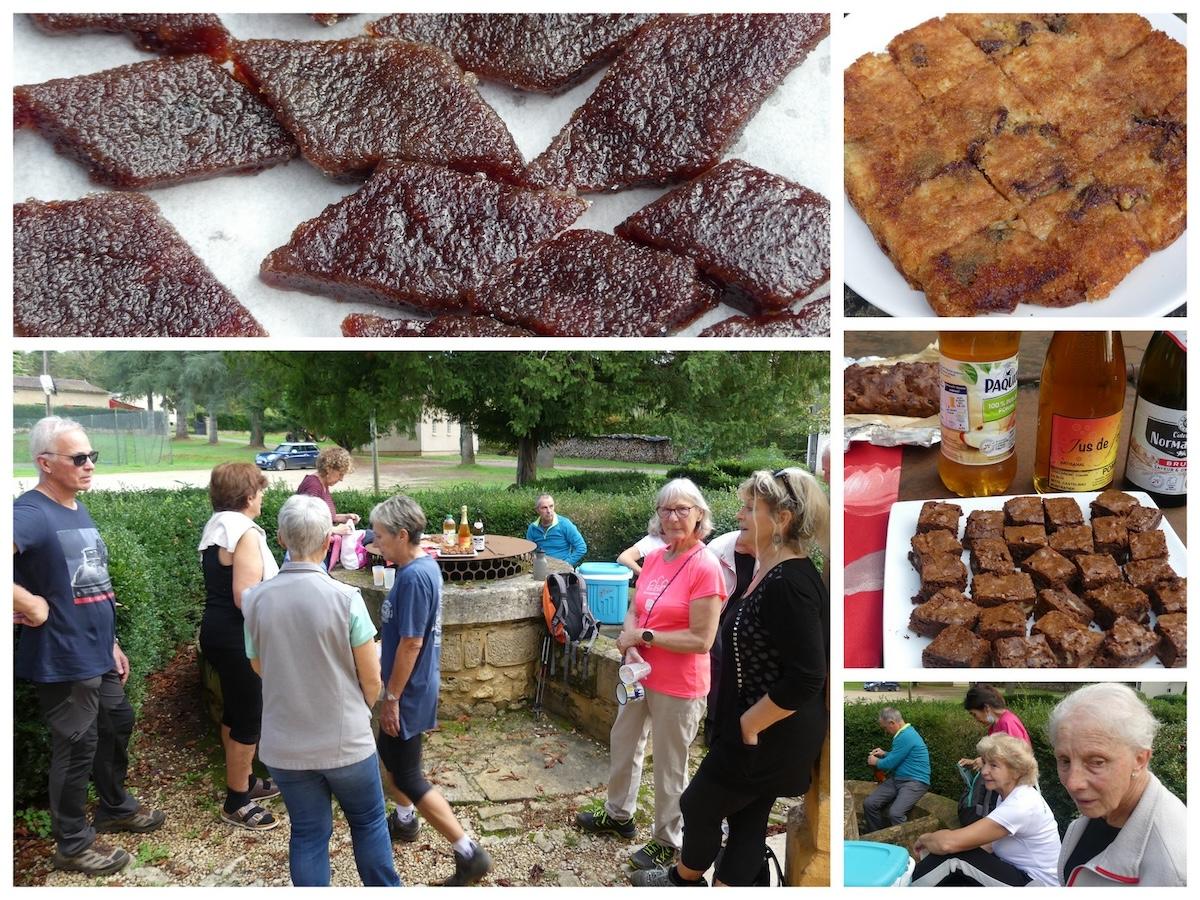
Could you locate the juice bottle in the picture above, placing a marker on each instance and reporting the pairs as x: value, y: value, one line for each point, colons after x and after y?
x: 978, y: 411
x: 1156, y: 461
x: 1079, y: 412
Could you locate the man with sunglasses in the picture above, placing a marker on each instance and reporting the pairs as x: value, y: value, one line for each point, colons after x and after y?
x: 63, y: 596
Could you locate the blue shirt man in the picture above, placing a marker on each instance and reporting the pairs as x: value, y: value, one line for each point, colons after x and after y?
x: 555, y: 535
x: 907, y: 765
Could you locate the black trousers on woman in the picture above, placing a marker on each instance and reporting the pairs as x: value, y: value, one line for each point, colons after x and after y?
x: 704, y: 804
x: 969, y: 868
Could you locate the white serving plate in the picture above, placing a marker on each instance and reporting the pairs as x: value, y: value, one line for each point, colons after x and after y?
x: 1154, y: 288
x: 901, y: 647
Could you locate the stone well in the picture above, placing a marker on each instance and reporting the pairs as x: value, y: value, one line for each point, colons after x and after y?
x: 932, y: 812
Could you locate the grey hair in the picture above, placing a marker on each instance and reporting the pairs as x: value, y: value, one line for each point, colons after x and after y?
x: 682, y: 489
x: 1113, y: 707
x: 397, y: 513
x: 43, y: 436
x: 1014, y: 753
x: 796, y: 490
x: 304, y: 523
x: 540, y: 497
x: 890, y: 714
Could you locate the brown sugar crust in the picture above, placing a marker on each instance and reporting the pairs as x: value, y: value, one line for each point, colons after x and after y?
x: 585, y: 283
x: 1153, y: 73
x: 1064, y: 601
x: 812, y: 320
x: 155, y: 123
x: 903, y: 389
x: 745, y: 227
x: 1172, y: 640
x: 109, y: 265
x: 1115, y: 600
x: 935, y: 56
x: 1126, y: 645
x: 876, y: 93
x: 996, y: 622
x: 542, y: 52
x: 156, y: 32
x: 947, y: 607
x: 885, y: 165
x: 359, y: 325
x: 1074, y: 644
x: 353, y: 103
x: 676, y: 98
x: 1147, y: 173
x: 956, y: 647
x: 417, y: 235
x: 997, y: 34
x: 1031, y: 652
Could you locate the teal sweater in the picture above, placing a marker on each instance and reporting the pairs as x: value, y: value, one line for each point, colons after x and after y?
x: 908, y: 758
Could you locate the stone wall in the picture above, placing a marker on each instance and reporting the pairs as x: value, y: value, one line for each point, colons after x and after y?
x: 627, y: 447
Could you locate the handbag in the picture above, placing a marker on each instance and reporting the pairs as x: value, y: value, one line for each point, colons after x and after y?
x: 353, y: 554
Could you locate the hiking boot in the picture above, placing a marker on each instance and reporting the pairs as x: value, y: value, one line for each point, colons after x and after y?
x: 403, y: 831
x: 264, y: 789
x: 139, y: 821
x: 653, y: 856
x: 98, y: 859
x: 601, y: 822
x: 662, y: 878
x: 469, y: 871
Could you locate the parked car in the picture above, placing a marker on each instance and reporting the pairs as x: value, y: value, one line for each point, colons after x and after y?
x: 288, y: 456
x: 881, y: 685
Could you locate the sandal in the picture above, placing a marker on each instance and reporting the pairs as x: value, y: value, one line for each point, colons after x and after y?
x: 251, y: 816
x: 263, y: 789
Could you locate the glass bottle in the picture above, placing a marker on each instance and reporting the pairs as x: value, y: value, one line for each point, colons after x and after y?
x: 449, y: 533
x: 464, y: 533
x: 1080, y: 403
x: 1156, y: 461
x: 477, y: 534
x: 978, y: 411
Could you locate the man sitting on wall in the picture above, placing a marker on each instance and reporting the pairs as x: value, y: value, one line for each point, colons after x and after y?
x: 907, y: 768
x: 555, y: 535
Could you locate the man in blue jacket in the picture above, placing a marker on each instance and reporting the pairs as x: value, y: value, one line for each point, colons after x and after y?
x: 555, y: 535
x: 907, y: 765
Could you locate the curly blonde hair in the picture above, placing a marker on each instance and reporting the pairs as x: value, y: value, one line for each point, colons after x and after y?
x: 334, y: 459
x: 797, y: 491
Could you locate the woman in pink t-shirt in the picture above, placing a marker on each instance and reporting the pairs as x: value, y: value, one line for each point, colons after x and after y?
x: 987, y: 707
x: 670, y: 626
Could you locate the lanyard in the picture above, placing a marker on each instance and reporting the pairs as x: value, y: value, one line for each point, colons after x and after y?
x: 650, y: 606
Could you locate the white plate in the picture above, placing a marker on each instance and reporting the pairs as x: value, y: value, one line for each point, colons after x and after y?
x: 901, y: 647
x: 1154, y: 288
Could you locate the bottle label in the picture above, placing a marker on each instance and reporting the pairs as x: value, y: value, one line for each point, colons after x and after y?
x: 1083, y: 452
x: 1158, y: 449
x: 979, y: 410
x: 477, y: 541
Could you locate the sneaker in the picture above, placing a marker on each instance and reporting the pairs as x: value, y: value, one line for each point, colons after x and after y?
x: 140, y: 821
x: 98, y: 859
x: 653, y: 856
x: 264, y: 789
x: 469, y: 871
x: 403, y: 831
x: 662, y: 878
x: 601, y: 822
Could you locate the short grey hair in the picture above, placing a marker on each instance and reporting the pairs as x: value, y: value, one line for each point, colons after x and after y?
x: 537, y: 501
x: 1112, y: 707
x: 682, y: 489
x: 1014, y: 753
x: 890, y: 714
x: 397, y: 513
x: 43, y: 436
x: 304, y: 523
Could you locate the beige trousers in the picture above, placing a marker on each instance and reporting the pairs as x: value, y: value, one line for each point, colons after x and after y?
x: 671, y: 722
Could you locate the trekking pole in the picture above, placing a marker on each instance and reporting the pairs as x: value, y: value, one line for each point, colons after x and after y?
x: 540, y: 689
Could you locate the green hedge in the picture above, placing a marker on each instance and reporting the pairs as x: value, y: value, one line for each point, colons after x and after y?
x: 951, y: 734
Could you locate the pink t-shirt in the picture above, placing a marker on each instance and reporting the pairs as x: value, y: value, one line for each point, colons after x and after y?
x: 1008, y: 723
x: 667, y: 589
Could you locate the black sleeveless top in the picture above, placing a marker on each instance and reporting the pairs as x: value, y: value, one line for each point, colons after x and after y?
x: 222, y: 625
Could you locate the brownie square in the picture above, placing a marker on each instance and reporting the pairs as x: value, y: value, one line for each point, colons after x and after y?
x: 996, y: 590
x: 1061, y: 512
x: 946, y: 607
x: 1024, y: 511
x: 935, y: 515
x: 956, y: 647
x: 1114, y: 601
x: 1097, y: 570
x: 1143, y: 518
x: 932, y: 543
x: 1073, y: 541
x: 1075, y: 645
x: 1113, y: 503
x: 1169, y: 596
x: 1111, y: 537
x: 1063, y: 601
x: 1145, y: 573
x: 935, y: 56
x: 1126, y: 646
x: 1023, y: 540
x: 991, y: 555
x: 1031, y: 652
x: 1147, y: 545
x: 997, y: 622
x: 938, y: 572
x: 1049, y: 569
x: 1172, y: 640
x: 984, y: 523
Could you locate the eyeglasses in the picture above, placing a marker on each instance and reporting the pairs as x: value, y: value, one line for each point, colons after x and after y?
x: 781, y: 475
x: 78, y: 459
x: 674, y: 512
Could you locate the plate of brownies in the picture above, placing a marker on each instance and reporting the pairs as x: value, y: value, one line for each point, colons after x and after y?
x: 1089, y: 580
x: 1017, y: 163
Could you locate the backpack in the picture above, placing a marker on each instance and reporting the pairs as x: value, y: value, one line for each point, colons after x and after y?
x: 763, y: 878
x: 976, y: 800
x: 569, y: 622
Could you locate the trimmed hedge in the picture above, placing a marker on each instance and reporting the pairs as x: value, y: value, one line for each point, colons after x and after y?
x: 951, y: 734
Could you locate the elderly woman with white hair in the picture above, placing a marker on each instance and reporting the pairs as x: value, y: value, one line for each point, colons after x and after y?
x: 1132, y: 831
x: 670, y: 626
x: 1016, y: 844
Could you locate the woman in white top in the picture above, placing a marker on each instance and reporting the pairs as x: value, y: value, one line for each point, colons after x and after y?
x: 1015, y: 844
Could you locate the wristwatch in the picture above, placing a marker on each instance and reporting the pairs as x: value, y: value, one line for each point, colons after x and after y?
x: 391, y: 698
x: 647, y: 636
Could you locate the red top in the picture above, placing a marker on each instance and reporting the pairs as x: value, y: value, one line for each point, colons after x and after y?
x: 313, y: 486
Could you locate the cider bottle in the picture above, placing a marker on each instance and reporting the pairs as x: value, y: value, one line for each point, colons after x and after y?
x: 1156, y: 461
x: 449, y: 537
x: 978, y: 411
x: 464, y: 533
x: 1079, y: 412
x: 477, y: 535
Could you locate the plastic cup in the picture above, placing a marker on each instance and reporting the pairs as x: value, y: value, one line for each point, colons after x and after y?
x: 389, y: 577
x: 630, y: 693
x: 377, y: 575
x: 631, y: 673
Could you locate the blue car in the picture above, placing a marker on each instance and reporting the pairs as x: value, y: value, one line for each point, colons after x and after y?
x: 288, y: 456
x: 881, y: 686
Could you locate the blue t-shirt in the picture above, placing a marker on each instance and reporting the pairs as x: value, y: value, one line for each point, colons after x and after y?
x: 414, y: 609
x: 61, y: 556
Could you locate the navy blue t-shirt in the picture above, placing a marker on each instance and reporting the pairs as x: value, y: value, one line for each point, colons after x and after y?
x: 414, y: 609
x: 61, y: 556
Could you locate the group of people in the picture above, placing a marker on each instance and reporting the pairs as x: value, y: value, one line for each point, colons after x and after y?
x: 1131, y: 830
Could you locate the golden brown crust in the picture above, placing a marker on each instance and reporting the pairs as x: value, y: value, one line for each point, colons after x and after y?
x: 1147, y: 173
x: 935, y: 56
x: 876, y: 93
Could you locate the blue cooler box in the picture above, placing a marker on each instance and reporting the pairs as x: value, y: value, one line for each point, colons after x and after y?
x: 607, y: 589
x: 870, y: 864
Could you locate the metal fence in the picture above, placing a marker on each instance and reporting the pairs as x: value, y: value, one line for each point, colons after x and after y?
x: 123, y: 437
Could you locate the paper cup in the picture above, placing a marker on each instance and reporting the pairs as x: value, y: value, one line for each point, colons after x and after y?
x: 377, y: 575
x: 633, y: 672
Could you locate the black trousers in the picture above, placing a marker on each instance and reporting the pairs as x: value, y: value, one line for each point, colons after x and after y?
x: 969, y: 868
x: 90, y: 724
x: 402, y: 758
x: 704, y: 804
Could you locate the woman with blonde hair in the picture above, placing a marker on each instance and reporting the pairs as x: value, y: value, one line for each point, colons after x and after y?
x: 333, y: 464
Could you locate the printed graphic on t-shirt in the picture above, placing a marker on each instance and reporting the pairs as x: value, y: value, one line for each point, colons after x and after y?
x: 87, y: 561
x: 385, y: 610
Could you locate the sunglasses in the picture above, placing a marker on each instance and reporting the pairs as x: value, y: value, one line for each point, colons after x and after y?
x: 781, y: 475
x: 78, y: 459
